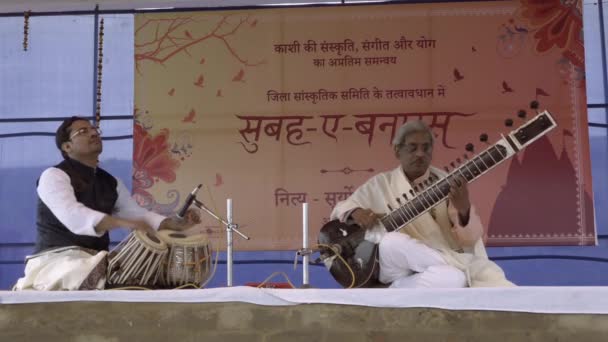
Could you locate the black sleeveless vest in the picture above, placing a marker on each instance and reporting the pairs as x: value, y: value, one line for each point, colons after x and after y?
x: 96, y: 189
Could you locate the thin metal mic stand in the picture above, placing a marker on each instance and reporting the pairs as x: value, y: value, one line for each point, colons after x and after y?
x: 305, y: 252
x: 230, y: 227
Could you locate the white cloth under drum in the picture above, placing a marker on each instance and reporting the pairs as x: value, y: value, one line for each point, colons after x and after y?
x: 66, y: 268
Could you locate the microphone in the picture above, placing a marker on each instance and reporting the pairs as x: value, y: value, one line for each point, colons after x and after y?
x: 189, y: 200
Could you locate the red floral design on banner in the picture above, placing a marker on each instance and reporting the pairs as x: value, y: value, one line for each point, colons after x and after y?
x: 152, y: 162
x: 558, y: 23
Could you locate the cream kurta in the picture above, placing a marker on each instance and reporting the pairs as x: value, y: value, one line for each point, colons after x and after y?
x: 434, y: 228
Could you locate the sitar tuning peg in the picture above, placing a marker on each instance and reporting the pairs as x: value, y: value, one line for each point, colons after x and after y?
x: 509, y: 122
x: 521, y: 114
x: 398, y: 200
x: 412, y: 193
x: 458, y: 160
x: 404, y: 196
x: 483, y: 138
x: 453, y: 165
x: 389, y: 207
x: 470, y: 147
x: 534, y: 105
x: 446, y: 169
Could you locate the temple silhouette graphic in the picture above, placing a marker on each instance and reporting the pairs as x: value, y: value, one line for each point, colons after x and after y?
x: 540, y: 201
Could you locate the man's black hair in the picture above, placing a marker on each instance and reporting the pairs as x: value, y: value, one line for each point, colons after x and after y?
x: 63, y: 132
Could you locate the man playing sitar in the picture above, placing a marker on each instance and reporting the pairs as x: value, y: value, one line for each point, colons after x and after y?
x: 442, y: 246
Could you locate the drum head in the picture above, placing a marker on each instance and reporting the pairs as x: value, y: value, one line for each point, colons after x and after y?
x: 153, y: 242
x: 172, y: 237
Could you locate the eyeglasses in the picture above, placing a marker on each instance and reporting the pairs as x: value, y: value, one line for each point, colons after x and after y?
x: 411, y: 148
x: 85, y: 130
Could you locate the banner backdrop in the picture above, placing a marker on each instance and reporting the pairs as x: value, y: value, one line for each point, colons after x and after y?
x: 276, y: 107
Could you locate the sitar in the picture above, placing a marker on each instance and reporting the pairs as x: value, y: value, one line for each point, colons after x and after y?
x: 358, y: 265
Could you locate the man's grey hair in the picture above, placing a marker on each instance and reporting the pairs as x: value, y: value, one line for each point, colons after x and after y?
x: 412, y: 127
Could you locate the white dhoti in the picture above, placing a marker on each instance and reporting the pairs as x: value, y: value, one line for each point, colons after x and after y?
x: 406, y: 262
x: 67, y: 268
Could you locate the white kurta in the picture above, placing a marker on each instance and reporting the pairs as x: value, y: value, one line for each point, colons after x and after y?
x: 71, y: 268
x: 56, y: 192
x: 460, y: 247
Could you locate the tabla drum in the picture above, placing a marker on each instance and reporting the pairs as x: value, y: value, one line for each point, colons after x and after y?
x: 188, y: 261
x: 137, y: 260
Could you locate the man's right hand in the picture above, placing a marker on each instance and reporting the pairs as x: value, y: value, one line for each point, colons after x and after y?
x: 142, y: 226
x: 109, y: 222
x: 365, y: 218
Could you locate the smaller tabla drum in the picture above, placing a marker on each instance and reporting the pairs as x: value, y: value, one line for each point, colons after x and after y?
x: 188, y: 261
x: 137, y: 260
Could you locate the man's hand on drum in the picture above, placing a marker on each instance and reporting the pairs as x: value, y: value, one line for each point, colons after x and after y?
x: 110, y: 222
x: 140, y: 225
x: 191, y: 218
x: 365, y: 218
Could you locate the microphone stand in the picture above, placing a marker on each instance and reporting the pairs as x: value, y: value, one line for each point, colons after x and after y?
x: 305, y: 251
x: 230, y: 227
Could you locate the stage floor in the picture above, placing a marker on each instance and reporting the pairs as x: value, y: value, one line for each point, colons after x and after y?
x: 271, y: 315
x: 566, y: 300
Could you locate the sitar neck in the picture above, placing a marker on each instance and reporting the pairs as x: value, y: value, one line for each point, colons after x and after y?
x: 472, y: 169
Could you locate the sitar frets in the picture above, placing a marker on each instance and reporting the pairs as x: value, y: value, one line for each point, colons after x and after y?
x: 438, y: 191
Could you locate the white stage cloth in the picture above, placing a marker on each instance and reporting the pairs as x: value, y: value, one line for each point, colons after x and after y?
x: 577, y: 300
